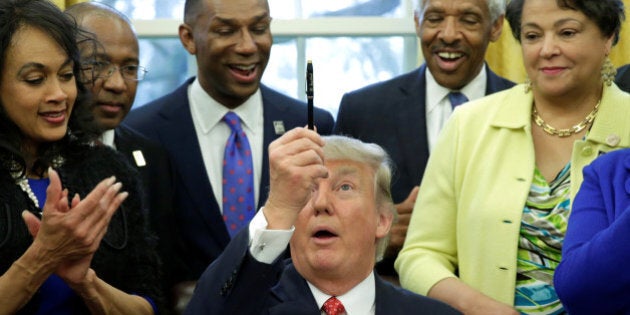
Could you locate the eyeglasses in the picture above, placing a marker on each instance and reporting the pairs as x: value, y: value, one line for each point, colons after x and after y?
x: 104, y: 70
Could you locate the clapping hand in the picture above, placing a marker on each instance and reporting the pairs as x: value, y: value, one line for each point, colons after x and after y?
x: 69, y: 233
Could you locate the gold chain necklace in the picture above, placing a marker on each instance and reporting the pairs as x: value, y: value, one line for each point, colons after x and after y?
x: 568, y: 131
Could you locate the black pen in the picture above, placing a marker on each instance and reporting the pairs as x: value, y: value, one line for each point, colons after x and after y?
x: 309, y: 92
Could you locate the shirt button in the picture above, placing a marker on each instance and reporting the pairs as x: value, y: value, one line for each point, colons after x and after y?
x: 587, y: 151
x: 613, y: 140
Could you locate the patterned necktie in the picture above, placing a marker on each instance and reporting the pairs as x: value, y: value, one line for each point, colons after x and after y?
x: 332, y: 306
x: 456, y: 98
x: 238, y: 178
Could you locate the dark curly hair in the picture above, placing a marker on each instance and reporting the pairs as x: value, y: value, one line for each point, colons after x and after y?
x: 607, y: 14
x: 82, y: 129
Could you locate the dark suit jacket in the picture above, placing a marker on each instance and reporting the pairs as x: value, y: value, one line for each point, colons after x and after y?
x: 157, y: 178
x: 168, y: 121
x: 623, y: 78
x: 238, y: 284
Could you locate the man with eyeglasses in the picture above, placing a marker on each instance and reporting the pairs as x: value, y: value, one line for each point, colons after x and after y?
x: 112, y: 72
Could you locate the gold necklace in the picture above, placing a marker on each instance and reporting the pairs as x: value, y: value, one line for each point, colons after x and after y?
x: 568, y: 131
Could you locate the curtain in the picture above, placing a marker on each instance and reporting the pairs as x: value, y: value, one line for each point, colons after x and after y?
x: 505, y: 58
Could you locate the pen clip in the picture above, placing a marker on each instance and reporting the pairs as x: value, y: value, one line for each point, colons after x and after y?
x: 309, y: 79
x: 309, y: 93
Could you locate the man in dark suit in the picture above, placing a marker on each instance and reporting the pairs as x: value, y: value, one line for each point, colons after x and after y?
x: 330, y: 201
x: 405, y: 114
x: 231, y: 41
x: 113, y: 75
x: 622, y: 79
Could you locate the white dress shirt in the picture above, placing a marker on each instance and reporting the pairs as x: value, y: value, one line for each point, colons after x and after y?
x: 438, y: 107
x: 107, y: 138
x: 212, y: 134
x: 267, y: 245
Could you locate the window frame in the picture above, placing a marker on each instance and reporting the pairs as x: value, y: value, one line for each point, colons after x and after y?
x: 302, y: 29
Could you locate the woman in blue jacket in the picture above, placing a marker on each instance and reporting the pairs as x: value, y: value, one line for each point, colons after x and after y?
x: 591, y: 278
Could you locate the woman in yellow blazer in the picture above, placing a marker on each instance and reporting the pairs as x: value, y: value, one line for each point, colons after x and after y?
x: 487, y: 229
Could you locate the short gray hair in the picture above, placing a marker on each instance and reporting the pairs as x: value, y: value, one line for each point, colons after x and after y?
x: 346, y: 148
x: 495, y: 7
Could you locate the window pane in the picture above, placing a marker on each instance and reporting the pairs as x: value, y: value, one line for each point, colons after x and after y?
x: 340, y: 65
x: 282, y: 9
x: 295, y: 9
x: 167, y: 63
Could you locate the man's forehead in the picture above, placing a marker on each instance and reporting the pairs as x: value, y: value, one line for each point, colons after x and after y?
x: 346, y: 167
x: 465, y: 5
x: 241, y: 8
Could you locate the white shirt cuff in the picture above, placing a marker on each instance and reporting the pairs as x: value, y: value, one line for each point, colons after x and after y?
x: 266, y: 245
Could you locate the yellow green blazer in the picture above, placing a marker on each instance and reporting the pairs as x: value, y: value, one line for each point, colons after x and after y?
x: 467, y: 216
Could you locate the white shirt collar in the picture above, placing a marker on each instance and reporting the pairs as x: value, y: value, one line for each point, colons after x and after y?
x: 209, y: 112
x: 107, y: 138
x: 355, y: 301
x: 436, y: 93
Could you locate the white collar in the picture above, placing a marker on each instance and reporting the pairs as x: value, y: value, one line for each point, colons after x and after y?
x: 107, y: 138
x: 436, y: 93
x: 208, y: 112
x: 354, y: 301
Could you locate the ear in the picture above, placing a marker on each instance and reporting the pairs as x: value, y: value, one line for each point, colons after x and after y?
x: 186, y: 36
x: 384, y: 223
x: 609, y: 44
x: 497, y: 28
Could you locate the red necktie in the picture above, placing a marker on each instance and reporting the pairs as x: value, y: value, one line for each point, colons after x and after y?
x: 332, y: 306
x: 238, y: 178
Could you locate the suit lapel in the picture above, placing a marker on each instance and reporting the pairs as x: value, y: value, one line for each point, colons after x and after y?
x: 410, y: 117
x: 495, y: 83
x: 292, y: 294
x: 272, y: 112
x: 179, y: 132
x: 384, y: 298
x: 122, y: 144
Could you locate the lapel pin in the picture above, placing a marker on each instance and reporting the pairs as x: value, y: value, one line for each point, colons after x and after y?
x: 278, y: 126
x: 139, y: 158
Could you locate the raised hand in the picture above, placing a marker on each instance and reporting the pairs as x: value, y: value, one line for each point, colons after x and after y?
x: 296, y: 162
